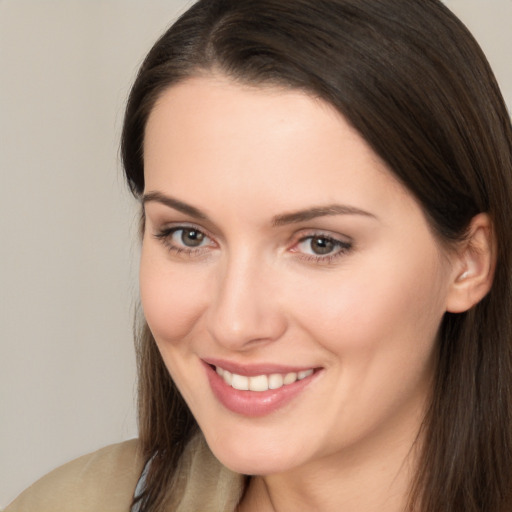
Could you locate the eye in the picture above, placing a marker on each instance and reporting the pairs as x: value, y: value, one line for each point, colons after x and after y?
x: 188, y: 237
x: 186, y: 240
x: 318, y: 245
x: 322, y: 248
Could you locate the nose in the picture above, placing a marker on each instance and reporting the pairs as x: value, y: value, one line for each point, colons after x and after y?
x: 244, y: 309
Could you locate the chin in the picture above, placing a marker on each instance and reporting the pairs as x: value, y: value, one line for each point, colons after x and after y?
x: 249, y: 456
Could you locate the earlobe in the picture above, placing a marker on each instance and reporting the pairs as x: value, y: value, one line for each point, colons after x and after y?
x: 474, y: 264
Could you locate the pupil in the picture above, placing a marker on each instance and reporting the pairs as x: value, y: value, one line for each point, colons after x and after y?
x: 192, y: 237
x: 322, y: 245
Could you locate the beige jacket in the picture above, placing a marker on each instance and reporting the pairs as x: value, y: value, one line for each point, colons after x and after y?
x: 105, y: 481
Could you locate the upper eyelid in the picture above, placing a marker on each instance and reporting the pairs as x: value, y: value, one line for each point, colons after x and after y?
x: 169, y: 231
x: 162, y: 223
x: 172, y: 229
x: 148, y: 205
x: 296, y: 237
x: 343, y: 244
x: 311, y: 233
x: 175, y: 226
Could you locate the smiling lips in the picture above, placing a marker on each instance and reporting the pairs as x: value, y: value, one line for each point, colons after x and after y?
x: 261, y: 382
x: 261, y: 390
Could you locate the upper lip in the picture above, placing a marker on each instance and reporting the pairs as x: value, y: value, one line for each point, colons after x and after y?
x: 251, y: 370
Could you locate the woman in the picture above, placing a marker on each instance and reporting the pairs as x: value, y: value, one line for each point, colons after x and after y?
x: 325, y: 269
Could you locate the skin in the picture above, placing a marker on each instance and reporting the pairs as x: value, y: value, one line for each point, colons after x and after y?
x: 366, y: 314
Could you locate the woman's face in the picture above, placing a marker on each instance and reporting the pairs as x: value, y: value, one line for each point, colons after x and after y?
x: 280, y: 254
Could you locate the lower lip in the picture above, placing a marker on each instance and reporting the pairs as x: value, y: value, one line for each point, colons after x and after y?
x: 254, y: 403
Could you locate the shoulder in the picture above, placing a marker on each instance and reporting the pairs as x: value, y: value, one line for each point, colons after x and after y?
x: 104, y: 480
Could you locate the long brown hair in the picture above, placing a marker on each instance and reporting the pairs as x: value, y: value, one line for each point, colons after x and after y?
x: 412, y: 80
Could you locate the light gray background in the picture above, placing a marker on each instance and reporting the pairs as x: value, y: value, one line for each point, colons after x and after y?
x: 68, y: 248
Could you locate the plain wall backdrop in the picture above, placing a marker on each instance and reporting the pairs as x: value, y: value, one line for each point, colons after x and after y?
x: 68, y: 237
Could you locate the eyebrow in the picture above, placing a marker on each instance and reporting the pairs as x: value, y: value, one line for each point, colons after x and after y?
x: 175, y: 204
x: 278, y: 220
x: 319, y: 211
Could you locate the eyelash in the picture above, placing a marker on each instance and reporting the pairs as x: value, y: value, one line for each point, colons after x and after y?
x: 340, y: 247
x: 165, y: 236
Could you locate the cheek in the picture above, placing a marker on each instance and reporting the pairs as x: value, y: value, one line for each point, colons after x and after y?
x: 393, y: 306
x: 379, y: 329
x: 171, y: 299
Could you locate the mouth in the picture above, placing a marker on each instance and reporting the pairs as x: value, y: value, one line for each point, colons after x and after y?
x: 259, y: 390
x: 260, y: 383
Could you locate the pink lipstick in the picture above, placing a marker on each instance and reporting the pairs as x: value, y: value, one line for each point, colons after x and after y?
x: 256, y: 390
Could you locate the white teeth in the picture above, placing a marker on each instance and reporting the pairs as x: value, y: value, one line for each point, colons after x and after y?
x: 290, y: 378
x: 303, y: 374
x: 240, y: 382
x: 261, y: 382
x: 275, y: 381
x: 228, y: 377
x: 258, y: 383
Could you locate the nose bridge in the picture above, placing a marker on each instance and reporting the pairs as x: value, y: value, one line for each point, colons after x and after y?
x: 243, y: 310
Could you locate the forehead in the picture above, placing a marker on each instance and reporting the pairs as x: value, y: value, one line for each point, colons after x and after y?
x: 209, y: 134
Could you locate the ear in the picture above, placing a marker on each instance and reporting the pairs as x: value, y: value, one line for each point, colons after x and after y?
x: 474, y: 263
